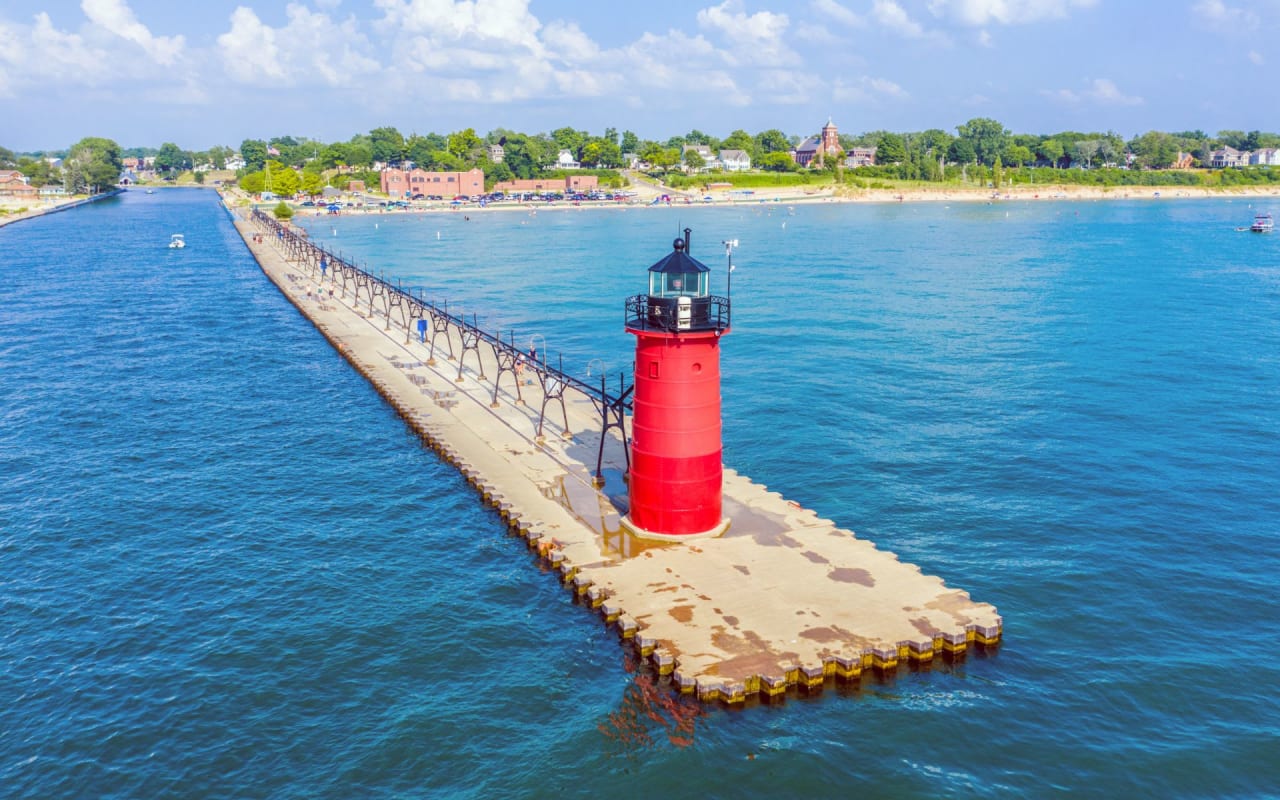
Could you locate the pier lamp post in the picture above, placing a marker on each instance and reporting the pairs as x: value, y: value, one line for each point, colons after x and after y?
x: 729, y: 244
x: 676, y: 477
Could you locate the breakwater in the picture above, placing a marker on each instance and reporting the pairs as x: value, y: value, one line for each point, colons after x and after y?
x: 783, y: 600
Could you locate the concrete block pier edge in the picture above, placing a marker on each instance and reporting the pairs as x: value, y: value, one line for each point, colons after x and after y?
x: 783, y: 600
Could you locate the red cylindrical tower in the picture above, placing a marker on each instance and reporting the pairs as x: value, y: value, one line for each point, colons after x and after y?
x: 676, y: 467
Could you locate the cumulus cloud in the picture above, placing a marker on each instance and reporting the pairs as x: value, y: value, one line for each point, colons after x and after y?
x: 505, y: 23
x: 755, y: 38
x: 103, y: 51
x: 1005, y: 12
x: 116, y: 17
x: 310, y: 48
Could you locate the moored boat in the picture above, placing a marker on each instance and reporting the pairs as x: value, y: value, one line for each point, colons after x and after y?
x: 1263, y: 223
x: 177, y: 241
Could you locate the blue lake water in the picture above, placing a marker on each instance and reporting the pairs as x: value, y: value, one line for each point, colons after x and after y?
x: 227, y: 569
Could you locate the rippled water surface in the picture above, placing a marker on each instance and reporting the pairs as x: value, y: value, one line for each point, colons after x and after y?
x: 227, y: 569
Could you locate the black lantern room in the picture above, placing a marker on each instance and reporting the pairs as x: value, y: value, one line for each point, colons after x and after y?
x: 679, y: 297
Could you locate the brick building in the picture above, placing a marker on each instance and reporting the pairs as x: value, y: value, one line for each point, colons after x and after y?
x: 414, y: 182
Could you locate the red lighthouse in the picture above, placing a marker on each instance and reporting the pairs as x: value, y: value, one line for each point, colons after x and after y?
x: 676, y: 467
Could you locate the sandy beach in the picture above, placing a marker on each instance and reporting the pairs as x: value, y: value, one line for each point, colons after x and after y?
x: 647, y: 196
x: 14, y: 210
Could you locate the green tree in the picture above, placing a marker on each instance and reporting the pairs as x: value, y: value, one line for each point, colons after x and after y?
x: 93, y: 164
x: 570, y: 139
x: 198, y: 177
x: 285, y: 181
x: 254, y: 153
x: 630, y: 142
x: 693, y: 160
x: 464, y: 144
x: 1154, y: 149
x: 961, y: 152
x: 253, y: 182
x: 1051, y: 150
x: 497, y: 172
x: 740, y: 140
x: 7, y: 158
x: 663, y: 158
x: 1019, y: 155
x: 986, y: 136
x: 772, y: 141
x: 37, y: 170
x: 890, y: 149
x: 171, y: 159
x: 778, y: 162
x: 524, y: 155
x: 359, y: 154
x: 283, y: 210
x: 387, y: 145
x: 696, y: 136
x: 312, y: 183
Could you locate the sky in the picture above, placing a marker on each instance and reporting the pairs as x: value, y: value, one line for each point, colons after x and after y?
x: 145, y: 72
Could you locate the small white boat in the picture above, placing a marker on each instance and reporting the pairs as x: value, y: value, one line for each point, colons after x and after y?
x: 1263, y: 223
x: 177, y: 241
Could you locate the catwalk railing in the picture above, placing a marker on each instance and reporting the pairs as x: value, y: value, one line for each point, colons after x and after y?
x: 415, y: 314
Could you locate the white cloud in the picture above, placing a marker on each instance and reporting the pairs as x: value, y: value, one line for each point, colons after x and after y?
x: 1101, y: 91
x: 249, y: 50
x: 1256, y: 58
x: 492, y: 23
x: 1005, y: 12
x: 866, y: 89
x: 831, y: 10
x: 785, y: 87
x: 893, y: 16
x: 1105, y: 91
x: 566, y: 42
x: 310, y: 49
x: 984, y: 39
x: 756, y: 38
x: 1219, y: 15
x: 116, y: 17
x: 41, y: 53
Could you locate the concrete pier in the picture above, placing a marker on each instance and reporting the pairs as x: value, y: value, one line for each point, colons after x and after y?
x: 784, y: 599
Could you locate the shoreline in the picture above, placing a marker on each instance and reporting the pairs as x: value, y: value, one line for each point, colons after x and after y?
x: 55, y: 206
x: 790, y: 196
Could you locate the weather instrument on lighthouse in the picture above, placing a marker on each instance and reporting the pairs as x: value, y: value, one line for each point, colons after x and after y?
x: 676, y: 473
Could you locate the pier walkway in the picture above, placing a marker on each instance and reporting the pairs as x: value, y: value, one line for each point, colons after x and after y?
x: 784, y: 599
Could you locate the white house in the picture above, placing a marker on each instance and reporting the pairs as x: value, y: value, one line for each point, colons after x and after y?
x: 566, y: 161
x: 1228, y: 157
x: 708, y: 159
x: 1267, y: 157
x: 235, y: 162
x: 735, y: 160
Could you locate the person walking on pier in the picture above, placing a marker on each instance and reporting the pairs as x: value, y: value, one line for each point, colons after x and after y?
x: 533, y: 361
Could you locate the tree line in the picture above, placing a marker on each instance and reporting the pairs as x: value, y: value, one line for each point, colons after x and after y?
x: 930, y: 155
